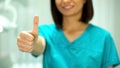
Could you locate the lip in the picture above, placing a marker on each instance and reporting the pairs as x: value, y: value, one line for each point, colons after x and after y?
x: 68, y: 7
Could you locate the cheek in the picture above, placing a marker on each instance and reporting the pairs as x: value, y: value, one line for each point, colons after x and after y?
x: 57, y: 2
x: 80, y: 3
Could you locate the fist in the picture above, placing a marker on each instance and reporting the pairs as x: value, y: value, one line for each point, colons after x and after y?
x: 27, y: 40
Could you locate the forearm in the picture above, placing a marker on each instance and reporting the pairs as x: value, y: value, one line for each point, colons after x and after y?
x: 39, y: 47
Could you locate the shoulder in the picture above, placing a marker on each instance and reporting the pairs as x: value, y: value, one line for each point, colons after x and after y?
x: 46, y: 26
x: 99, y: 31
x: 46, y: 29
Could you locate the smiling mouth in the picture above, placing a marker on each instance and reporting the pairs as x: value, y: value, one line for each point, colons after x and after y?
x: 68, y: 7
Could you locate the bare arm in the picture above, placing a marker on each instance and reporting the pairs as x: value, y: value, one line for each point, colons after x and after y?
x: 30, y: 41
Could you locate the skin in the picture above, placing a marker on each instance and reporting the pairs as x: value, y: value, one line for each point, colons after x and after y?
x: 72, y: 27
x: 30, y: 41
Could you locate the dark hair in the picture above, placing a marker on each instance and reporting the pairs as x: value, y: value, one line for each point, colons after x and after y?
x: 87, y: 13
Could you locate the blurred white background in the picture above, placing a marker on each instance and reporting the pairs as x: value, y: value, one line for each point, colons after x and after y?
x: 17, y: 15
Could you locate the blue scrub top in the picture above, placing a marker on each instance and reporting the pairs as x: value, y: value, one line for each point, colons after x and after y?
x: 95, y: 48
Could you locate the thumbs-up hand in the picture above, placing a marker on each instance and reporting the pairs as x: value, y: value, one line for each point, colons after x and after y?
x: 27, y: 41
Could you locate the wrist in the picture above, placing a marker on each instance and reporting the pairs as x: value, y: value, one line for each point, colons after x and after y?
x: 39, y: 46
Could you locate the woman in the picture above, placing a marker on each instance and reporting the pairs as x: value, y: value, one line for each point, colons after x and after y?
x: 72, y: 42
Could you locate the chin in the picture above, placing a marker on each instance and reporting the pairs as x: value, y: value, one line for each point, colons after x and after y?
x: 69, y: 14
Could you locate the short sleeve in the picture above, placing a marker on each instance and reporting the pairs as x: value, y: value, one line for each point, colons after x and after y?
x: 110, y: 56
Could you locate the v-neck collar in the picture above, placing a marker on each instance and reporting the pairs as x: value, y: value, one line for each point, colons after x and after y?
x: 78, y: 38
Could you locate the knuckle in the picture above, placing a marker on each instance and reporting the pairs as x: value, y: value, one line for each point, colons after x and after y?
x: 30, y: 50
x: 30, y: 43
x: 23, y: 34
x: 26, y: 35
x: 21, y: 49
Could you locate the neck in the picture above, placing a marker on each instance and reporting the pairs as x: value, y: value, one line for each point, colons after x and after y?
x: 72, y: 22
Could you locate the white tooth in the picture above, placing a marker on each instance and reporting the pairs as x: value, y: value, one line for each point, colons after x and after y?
x: 68, y: 7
